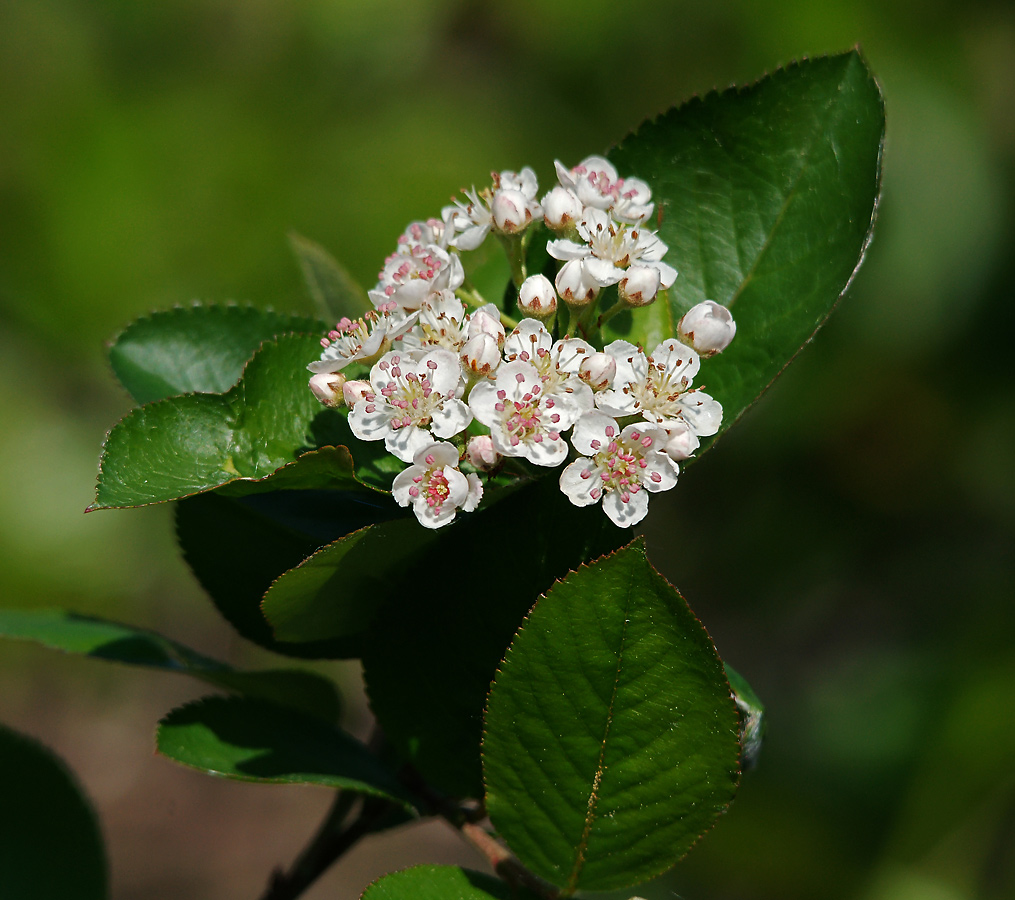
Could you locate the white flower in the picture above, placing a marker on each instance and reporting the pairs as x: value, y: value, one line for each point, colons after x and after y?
x: 362, y: 340
x: 508, y: 207
x: 435, y: 487
x: 558, y: 364
x: 595, y: 182
x: 658, y: 388
x: 536, y: 297
x: 523, y: 418
x: 411, y: 402
x: 353, y: 391
x: 707, y: 327
x: 414, y: 273
x: 619, y: 467
x: 610, y: 247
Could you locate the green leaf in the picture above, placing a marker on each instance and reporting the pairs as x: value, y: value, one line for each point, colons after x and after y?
x: 442, y: 883
x: 435, y: 645
x: 767, y: 197
x: 337, y: 592
x: 611, y: 738
x: 184, y: 445
x: 752, y: 717
x: 334, y: 291
x: 238, y: 546
x: 50, y: 845
x: 111, y: 641
x: 250, y: 740
x: 198, y: 349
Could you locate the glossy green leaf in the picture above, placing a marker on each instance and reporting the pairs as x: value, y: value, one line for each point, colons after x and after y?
x: 111, y: 641
x: 752, y: 717
x: 50, y: 845
x: 197, y: 349
x: 766, y: 197
x: 442, y: 883
x: 447, y: 620
x: 250, y: 740
x: 238, y: 546
x: 611, y: 739
x: 337, y: 592
x: 184, y: 445
x: 334, y: 291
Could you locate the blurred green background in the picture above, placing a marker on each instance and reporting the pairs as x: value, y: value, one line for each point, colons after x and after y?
x: 849, y: 546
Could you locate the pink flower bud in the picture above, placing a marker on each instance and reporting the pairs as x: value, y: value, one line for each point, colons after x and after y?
x: 537, y: 298
x: 639, y: 285
x: 328, y: 388
x: 481, y: 354
x: 479, y: 452
x: 511, y: 212
x: 707, y: 327
x: 598, y: 371
x: 574, y: 287
x: 682, y: 441
x: 561, y: 209
x: 355, y: 390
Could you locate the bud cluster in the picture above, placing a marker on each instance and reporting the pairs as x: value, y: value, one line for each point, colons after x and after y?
x: 448, y: 386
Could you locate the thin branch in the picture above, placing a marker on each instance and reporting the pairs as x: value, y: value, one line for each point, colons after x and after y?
x: 329, y: 843
x: 504, y: 864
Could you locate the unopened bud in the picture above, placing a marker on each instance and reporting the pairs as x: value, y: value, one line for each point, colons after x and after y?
x: 328, y: 388
x: 355, y: 390
x: 639, y: 285
x: 681, y: 441
x: 572, y: 285
x: 481, y: 322
x: 511, y: 212
x: 707, y: 327
x: 561, y: 209
x: 537, y: 298
x: 598, y: 371
x: 481, y: 354
x: 479, y: 452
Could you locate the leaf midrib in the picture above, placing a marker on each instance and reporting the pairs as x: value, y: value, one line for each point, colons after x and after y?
x: 590, y: 809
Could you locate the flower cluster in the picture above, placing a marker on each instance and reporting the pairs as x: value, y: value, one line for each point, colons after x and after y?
x: 452, y: 381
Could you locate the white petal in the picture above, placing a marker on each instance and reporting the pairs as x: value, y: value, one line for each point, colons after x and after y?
x: 445, y: 372
x: 371, y: 426
x: 453, y: 417
x: 563, y: 249
x: 403, y: 481
x: 602, y: 272
x: 441, y: 453
x: 547, y: 452
x: 482, y: 401
x: 622, y: 514
x: 405, y: 442
x: 701, y: 412
x: 475, y: 493
x: 591, y: 428
x: 428, y: 517
x: 578, y: 481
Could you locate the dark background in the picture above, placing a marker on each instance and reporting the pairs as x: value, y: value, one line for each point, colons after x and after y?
x: 849, y: 545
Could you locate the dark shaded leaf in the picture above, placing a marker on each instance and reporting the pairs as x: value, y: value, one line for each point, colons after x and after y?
x: 111, y: 641
x: 50, y: 845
